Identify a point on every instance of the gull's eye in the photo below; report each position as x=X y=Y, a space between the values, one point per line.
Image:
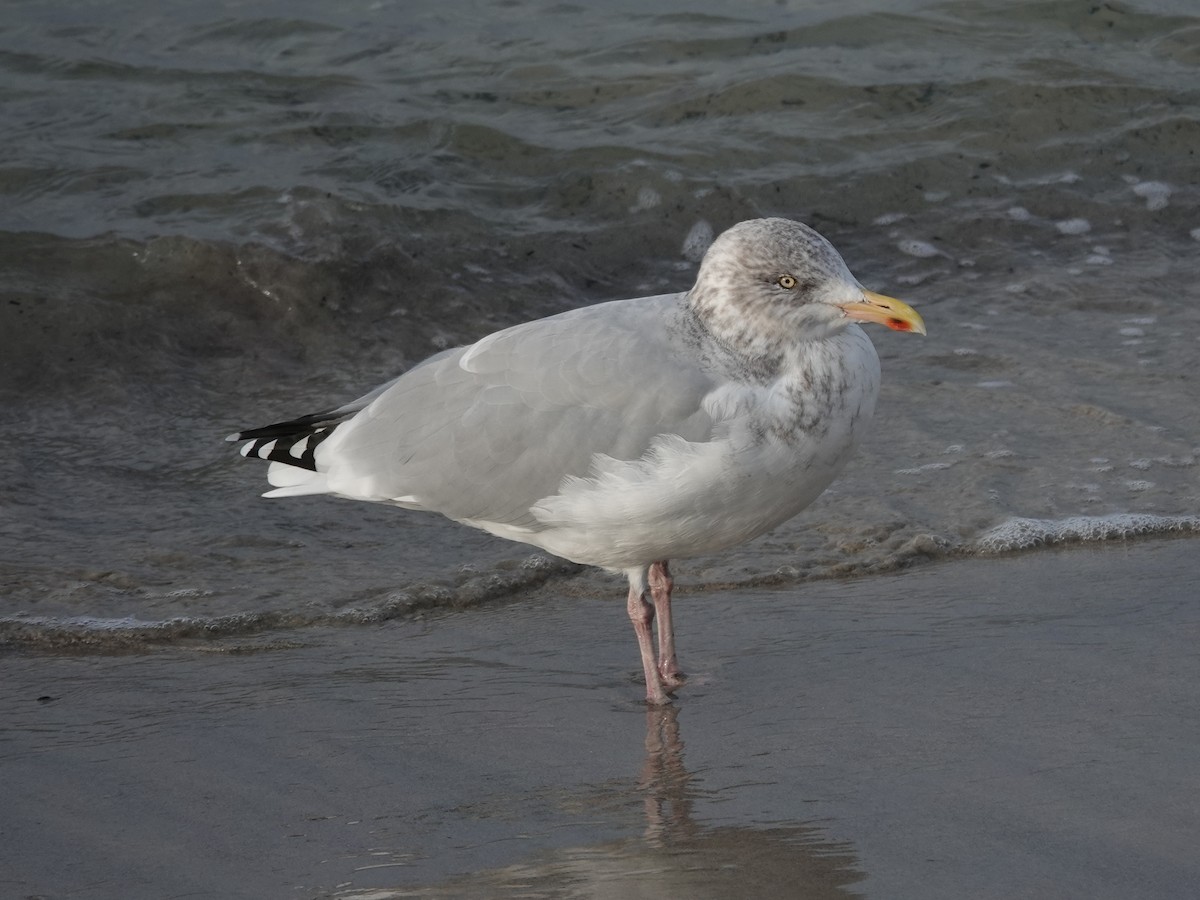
x=786 y=281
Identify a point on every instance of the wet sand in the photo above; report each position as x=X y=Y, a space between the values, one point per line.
x=1020 y=727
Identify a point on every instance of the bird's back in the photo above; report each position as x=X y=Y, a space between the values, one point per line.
x=481 y=433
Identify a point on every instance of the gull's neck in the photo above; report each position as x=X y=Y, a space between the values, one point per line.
x=751 y=340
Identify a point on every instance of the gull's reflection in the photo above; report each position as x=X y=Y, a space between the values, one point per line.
x=664 y=780
x=676 y=857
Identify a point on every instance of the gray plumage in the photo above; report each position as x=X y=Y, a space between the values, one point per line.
x=627 y=433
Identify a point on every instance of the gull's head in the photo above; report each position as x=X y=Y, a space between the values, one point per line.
x=766 y=283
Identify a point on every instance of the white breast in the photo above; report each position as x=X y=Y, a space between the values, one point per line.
x=774 y=449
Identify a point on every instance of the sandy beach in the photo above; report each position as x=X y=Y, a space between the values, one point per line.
x=1018 y=727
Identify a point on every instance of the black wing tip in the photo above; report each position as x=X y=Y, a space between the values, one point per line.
x=292 y=428
x=278 y=442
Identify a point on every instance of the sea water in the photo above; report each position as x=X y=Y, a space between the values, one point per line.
x=216 y=216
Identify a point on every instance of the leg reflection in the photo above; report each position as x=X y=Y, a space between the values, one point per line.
x=665 y=780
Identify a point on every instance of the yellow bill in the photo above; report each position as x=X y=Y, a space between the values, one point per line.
x=895 y=314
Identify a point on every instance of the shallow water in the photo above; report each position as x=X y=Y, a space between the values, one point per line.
x=215 y=218
x=985 y=728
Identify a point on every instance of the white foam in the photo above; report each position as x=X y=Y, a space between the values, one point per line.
x=1156 y=194
x=919 y=249
x=697 y=241
x=920 y=470
x=1176 y=462
x=647 y=198
x=1073 y=226
x=1023 y=534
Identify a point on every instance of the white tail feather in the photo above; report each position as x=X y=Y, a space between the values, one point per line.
x=317 y=486
x=290 y=481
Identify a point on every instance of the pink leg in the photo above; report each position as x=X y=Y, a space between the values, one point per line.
x=641 y=614
x=661 y=584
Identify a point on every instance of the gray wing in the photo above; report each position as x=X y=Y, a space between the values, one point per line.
x=483 y=432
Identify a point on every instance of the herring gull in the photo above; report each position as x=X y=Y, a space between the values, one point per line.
x=626 y=434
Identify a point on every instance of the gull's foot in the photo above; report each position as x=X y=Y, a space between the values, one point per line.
x=659 y=693
x=672 y=677
x=663 y=699
x=662 y=691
